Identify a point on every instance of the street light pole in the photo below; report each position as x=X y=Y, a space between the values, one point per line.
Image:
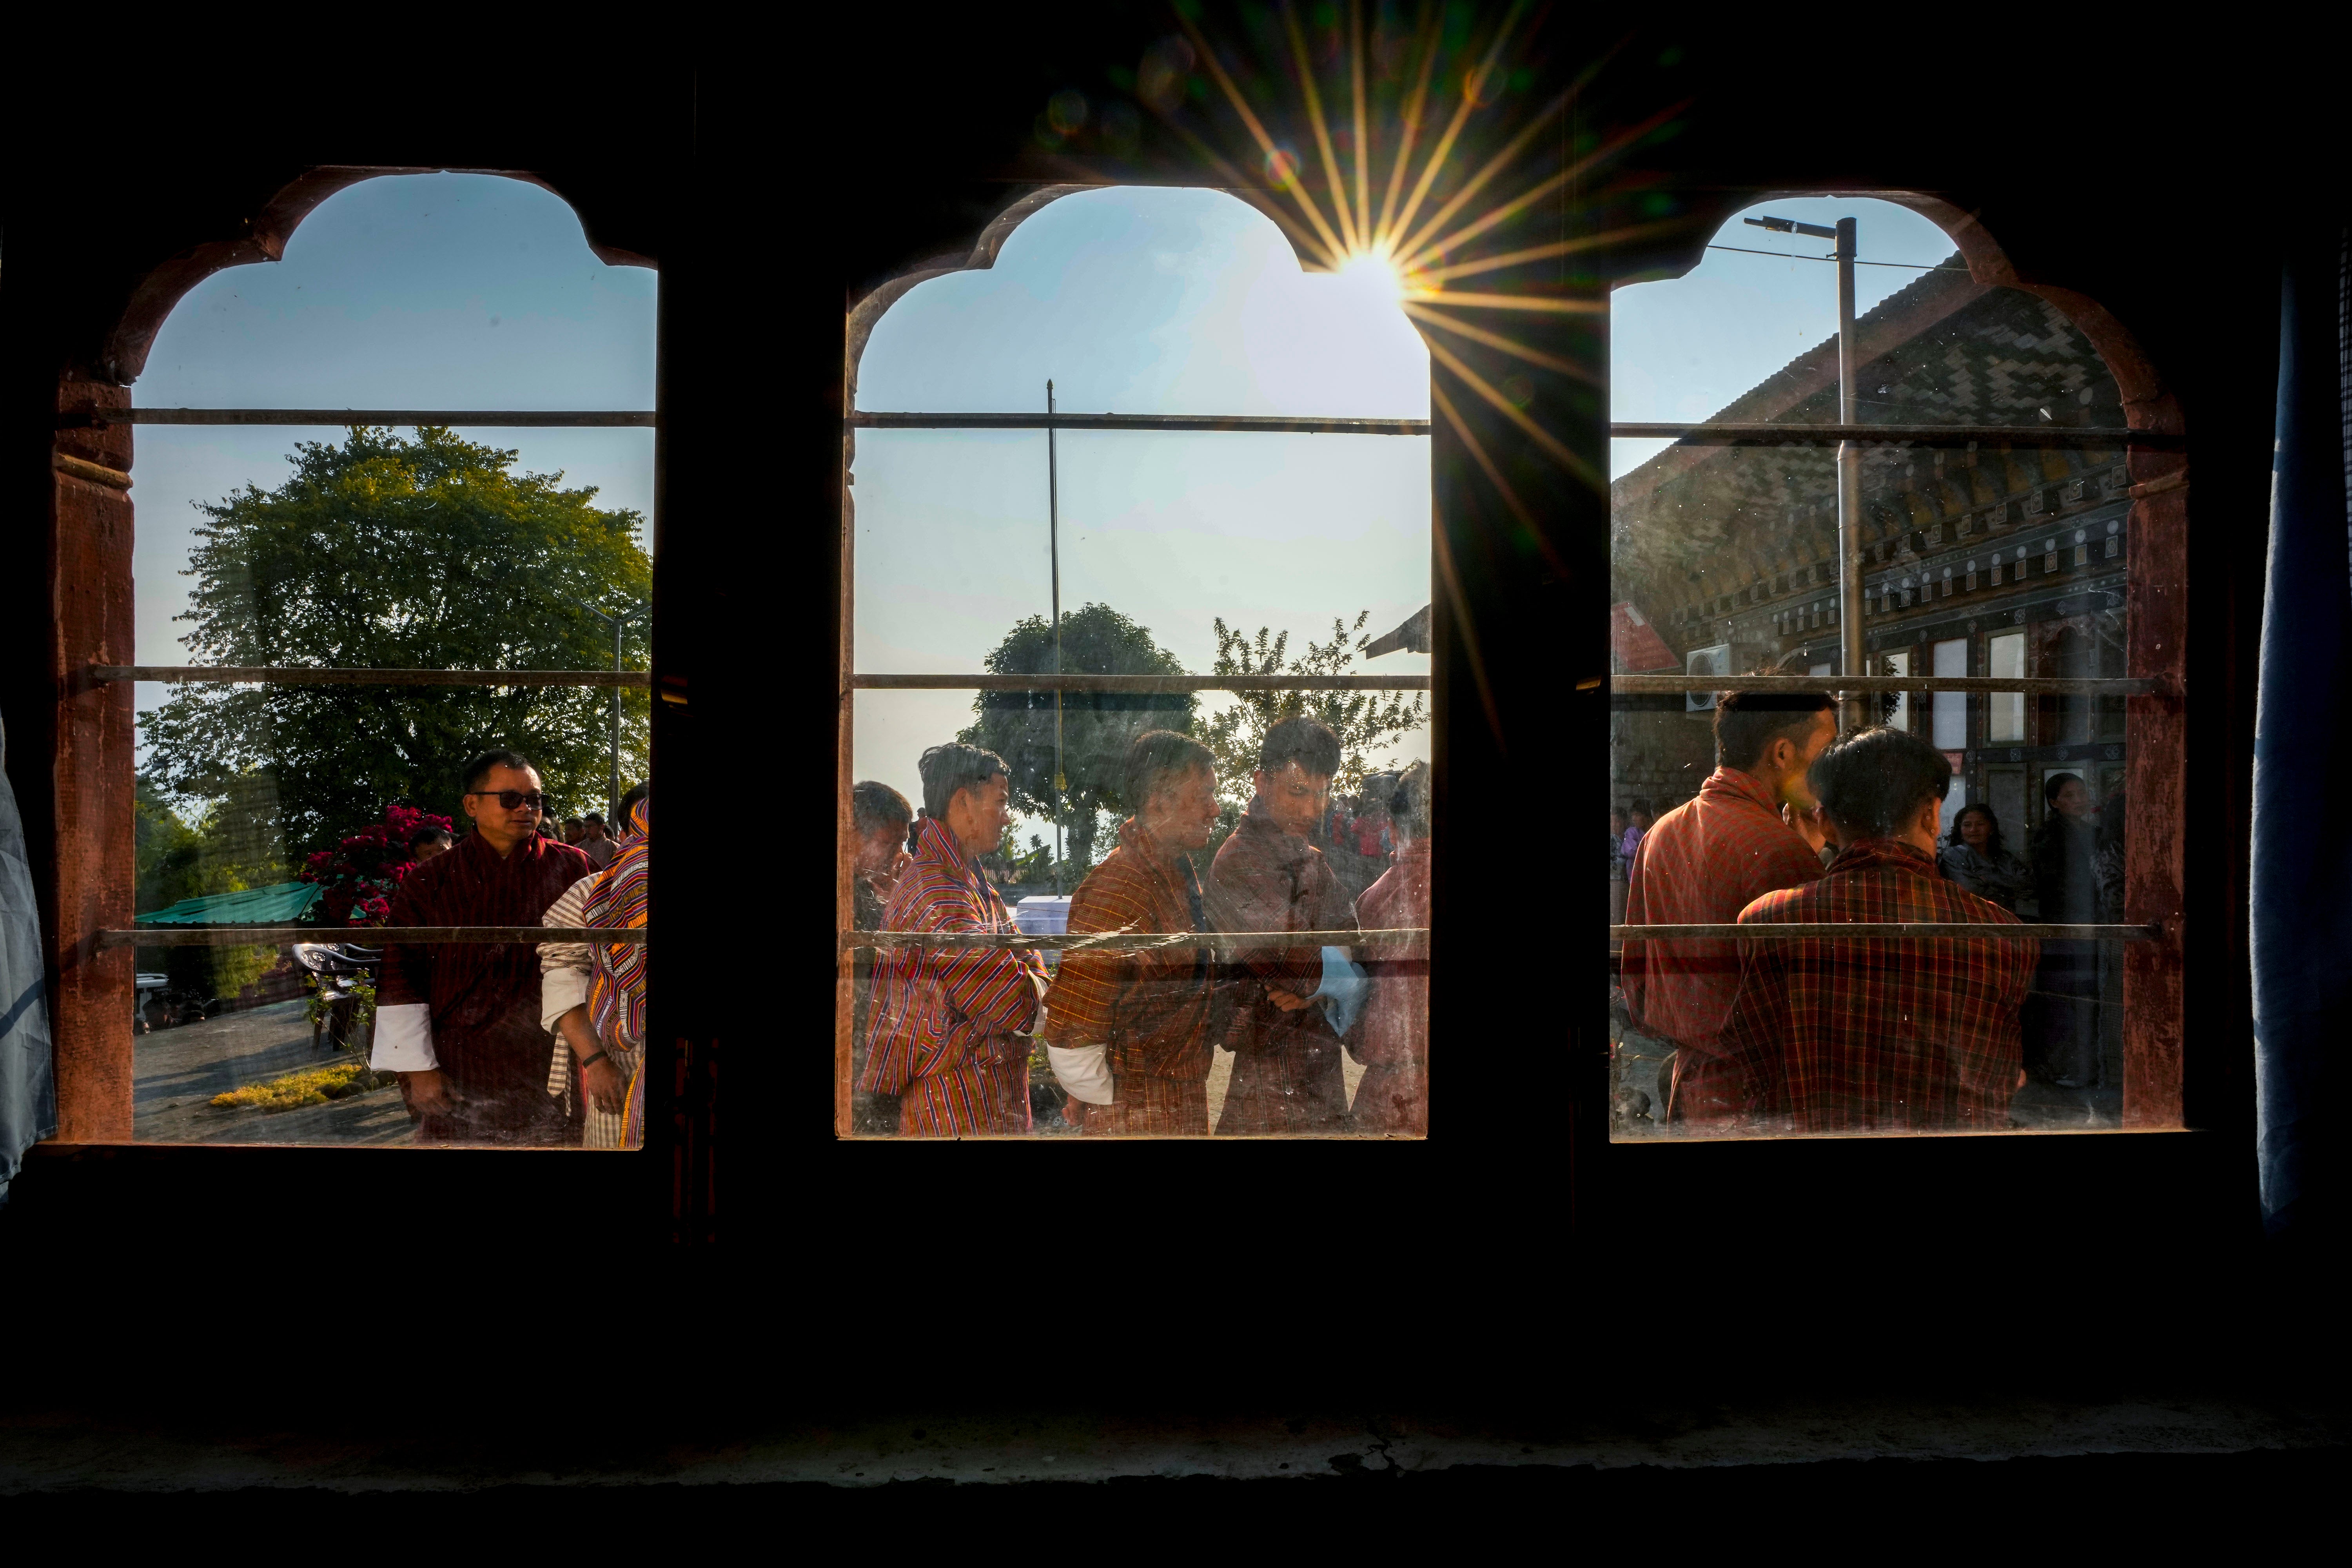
x=619 y=624
x=1054 y=560
x=1852 y=612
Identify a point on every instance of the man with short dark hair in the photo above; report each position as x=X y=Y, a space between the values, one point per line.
x=1267 y=877
x=879 y=818
x=426 y=842
x=573 y=828
x=1750 y=831
x=460 y=1021
x=1130 y=1029
x=950 y=1026
x=1874 y=1034
x=595 y=840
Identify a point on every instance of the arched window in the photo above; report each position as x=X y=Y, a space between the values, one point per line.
x=1967 y=474
x=400 y=482
x=1135 y=450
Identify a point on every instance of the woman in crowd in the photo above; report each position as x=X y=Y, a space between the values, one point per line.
x=2061 y=1025
x=1974 y=857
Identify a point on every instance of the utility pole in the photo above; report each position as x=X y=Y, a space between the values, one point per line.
x=1853 y=659
x=619 y=624
x=1054 y=559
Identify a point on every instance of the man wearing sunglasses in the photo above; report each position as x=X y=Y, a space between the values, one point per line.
x=460 y=1021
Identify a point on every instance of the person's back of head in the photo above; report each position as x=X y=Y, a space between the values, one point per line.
x=1749 y=723
x=1408 y=802
x=1878 y=783
x=874 y=808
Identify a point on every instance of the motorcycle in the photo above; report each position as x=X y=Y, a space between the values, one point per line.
x=160 y=1004
x=343 y=984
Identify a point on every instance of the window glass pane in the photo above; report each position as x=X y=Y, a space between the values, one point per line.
x=312 y=805
x=2004 y=657
x=1951 y=708
x=1170 y=554
x=1727 y=560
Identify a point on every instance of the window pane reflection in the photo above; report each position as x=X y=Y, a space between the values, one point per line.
x=1978 y=560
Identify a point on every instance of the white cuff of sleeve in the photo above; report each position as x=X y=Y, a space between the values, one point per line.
x=404 y=1039
x=559 y=991
x=1083 y=1071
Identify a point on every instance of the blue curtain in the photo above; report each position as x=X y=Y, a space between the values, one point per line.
x=28 y=1089
x=2302 y=872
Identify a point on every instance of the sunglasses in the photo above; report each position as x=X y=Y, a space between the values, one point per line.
x=512 y=798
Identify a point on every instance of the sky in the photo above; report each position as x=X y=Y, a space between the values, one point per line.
x=455 y=290
x=404 y=292
x=1133 y=301
x=1680 y=349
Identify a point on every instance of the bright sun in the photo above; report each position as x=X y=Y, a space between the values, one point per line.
x=1373 y=269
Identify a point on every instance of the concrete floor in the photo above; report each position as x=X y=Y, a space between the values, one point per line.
x=176 y=1072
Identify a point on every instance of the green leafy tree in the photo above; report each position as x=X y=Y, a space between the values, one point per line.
x=231 y=848
x=1098 y=726
x=386 y=553
x=1365 y=721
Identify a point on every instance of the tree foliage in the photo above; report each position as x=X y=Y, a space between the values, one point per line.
x=1365 y=721
x=1098 y=726
x=231 y=848
x=386 y=553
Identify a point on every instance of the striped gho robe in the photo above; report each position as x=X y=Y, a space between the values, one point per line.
x=1148 y=1009
x=1288 y=1075
x=1701 y=864
x=941 y=1027
x=1875 y=1034
x=1393 y=1039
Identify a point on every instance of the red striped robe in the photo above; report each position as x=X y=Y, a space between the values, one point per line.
x=1394 y=1096
x=1287 y=1073
x=1877 y=1035
x=1150 y=1009
x=940 y=1035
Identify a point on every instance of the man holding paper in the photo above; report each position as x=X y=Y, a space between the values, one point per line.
x=1292 y=1004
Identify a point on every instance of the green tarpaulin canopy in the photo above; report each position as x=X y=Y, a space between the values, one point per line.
x=276 y=906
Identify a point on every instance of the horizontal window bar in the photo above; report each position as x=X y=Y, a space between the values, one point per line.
x=364 y=936
x=1256 y=424
x=1740 y=434
x=306 y=675
x=1131 y=940
x=1795 y=931
x=1140 y=682
x=549 y=418
x=2088 y=686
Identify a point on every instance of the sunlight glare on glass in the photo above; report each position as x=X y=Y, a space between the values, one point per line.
x=1374 y=272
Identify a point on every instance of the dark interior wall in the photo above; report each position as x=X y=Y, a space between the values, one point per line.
x=777 y=177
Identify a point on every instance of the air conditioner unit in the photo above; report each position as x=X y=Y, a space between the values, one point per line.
x=1716 y=660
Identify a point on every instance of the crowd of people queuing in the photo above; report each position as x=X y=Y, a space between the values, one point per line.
x=515 y=1043
x=1797 y=825
x=943 y=1035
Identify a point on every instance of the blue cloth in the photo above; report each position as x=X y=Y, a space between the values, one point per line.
x=28 y=1085
x=2302 y=870
x=1345 y=983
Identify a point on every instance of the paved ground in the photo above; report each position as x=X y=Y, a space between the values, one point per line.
x=176 y=1072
